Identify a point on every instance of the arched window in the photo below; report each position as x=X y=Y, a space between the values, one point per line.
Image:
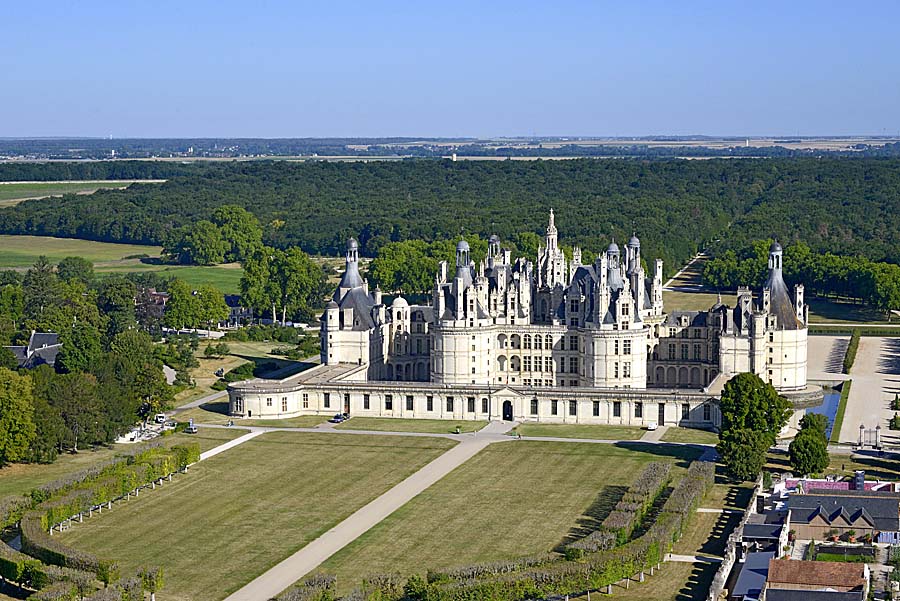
x=537 y=342
x=526 y=341
x=549 y=340
x=515 y=364
x=515 y=341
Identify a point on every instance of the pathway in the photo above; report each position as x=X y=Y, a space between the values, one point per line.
x=694 y=288
x=230 y=444
x=312 y=555
x=876 y=379
x=693 y=558
x=654 y=435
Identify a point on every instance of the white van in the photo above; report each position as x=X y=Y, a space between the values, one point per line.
x=160 y=418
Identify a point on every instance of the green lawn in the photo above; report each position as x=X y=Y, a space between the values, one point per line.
x=226 y=278
x=391 y=424
x=19 y=478
x=597 y=432
x=237 y=514
x=14 y=192
x=513 y=499
x=694 y=301
x=676 y=434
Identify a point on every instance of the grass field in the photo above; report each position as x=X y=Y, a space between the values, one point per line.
x=598 y=432
x=235 y=515
x=19 y=478
x=22 y=251
x=15 y=192
x=674 y=434
x=512 y=499
x=390 y=424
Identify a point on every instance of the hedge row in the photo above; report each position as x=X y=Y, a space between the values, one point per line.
x=850 y=355
x=839 y=330
x=69 y=497
x=314 y=588
x=636 y=501
x=593 y=571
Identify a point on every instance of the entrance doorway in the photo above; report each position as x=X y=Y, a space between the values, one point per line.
x=507 y=411
x=347 y=404
x=661 y=420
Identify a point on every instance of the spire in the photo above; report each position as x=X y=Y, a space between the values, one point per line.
x=551 y=233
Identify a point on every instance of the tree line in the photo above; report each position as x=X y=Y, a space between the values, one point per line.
x=107 y=374
x=876 y=284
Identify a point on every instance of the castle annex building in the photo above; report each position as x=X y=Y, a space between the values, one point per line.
x=554 y=340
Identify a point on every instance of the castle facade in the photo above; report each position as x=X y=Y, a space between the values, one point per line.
x=555 y=340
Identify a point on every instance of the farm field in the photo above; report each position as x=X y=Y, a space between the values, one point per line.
x=20 y=252
x=597 y=432
x=283 y=489
x=505 y=511
x=19 y=478
x=432 y=426
x=12 y=193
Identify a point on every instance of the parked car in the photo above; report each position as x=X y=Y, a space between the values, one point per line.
x=160 y=418
x=652 y=426
x=191 y=430
x=171 y=423
x=338 y=418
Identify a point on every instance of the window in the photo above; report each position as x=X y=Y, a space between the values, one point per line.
x=596 y=411
x=616 y=369
x=485 y=406
x=626 y=347
x=771 y=337
x=284 y=404
x=534 y=406
x=562 y=343
x=389 y=402
x=573 y=365
x=696 y=352
x=707 y=414
x=470 y=404
x=685 y=411
x=537 y=342
x=573 y=382
x=526 y=363
x=269 y=402
x=639 y=409
x=326 y=400
x=671 y=352
x=473 y=369
x=554 y=407
x=366 y=403
x=306 y=401
x=526 y=342
x=239 y=405
x=697 y=333
x=450 y=404
x=409 y=402
x=616 y=347
x=548 y=363
x=573 y=407
x=429 y=403
x=573 y=343
x=626 y=369
x=617 y=408
x=684 y=352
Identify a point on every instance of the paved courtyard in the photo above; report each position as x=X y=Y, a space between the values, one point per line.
x=876 y=379
x=825 y=357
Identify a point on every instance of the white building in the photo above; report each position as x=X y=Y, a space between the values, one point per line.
x=556 y=341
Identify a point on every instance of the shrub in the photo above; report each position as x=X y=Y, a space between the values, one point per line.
x=850 y=356
x=37 y=543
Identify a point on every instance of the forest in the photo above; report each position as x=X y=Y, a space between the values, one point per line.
x=848 y=207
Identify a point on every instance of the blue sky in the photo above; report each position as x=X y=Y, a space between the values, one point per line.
x=293 y=69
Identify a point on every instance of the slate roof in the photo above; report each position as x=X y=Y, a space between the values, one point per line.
x=881 y=510
x=752 y=579
x=781 y=305
x=762 y=531
x=696 y=319
x=362 y=305
x=43 y=347
x=816 y=574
